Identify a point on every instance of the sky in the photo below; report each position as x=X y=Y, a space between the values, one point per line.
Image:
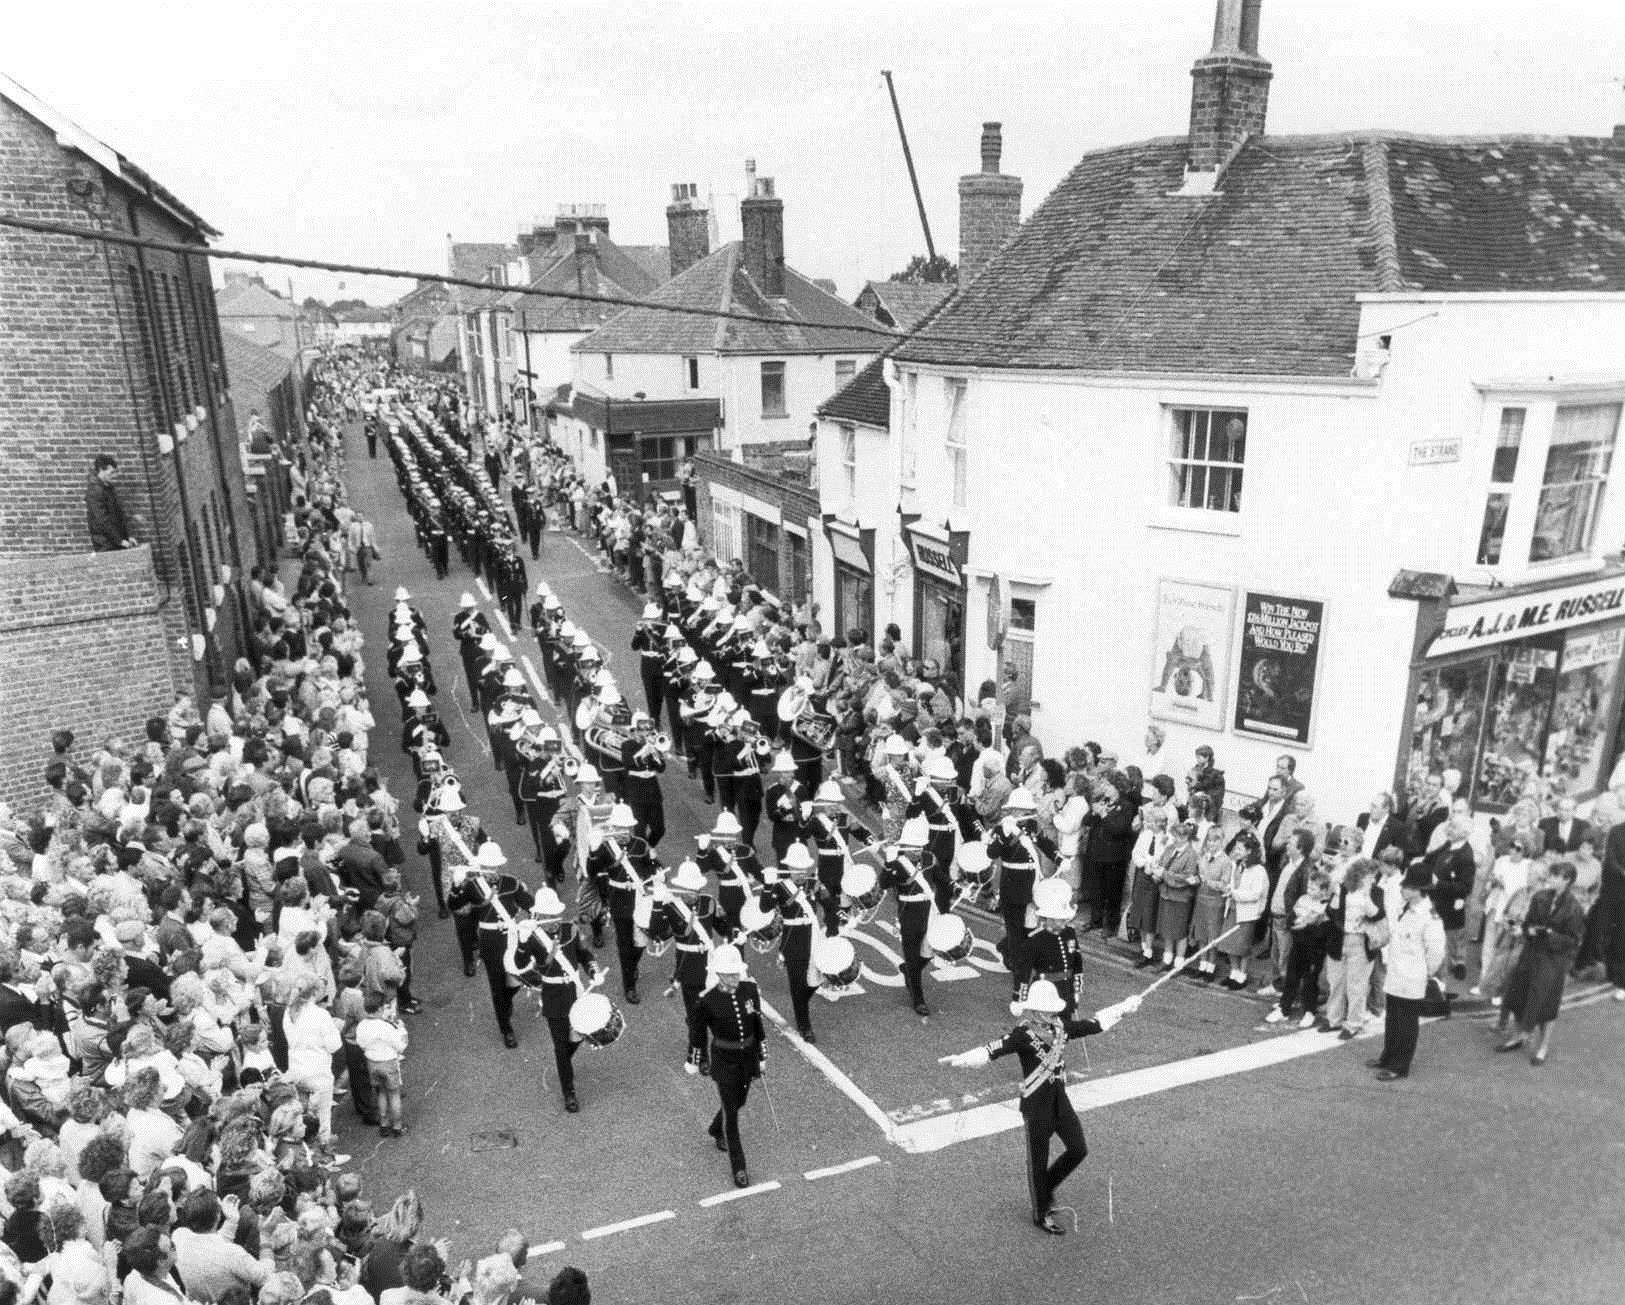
x=367 y=132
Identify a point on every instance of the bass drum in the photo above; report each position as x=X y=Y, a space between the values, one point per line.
x=762 y=928
x=596 y=1021
x=861 y=886
x=948 y=938
x=836 y=961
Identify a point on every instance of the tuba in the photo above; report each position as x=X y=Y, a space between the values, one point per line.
x=813 y=727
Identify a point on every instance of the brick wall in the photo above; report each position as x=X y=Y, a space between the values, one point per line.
x=796 y=501
x=1229 y=98
x=111 y=350
x=86 y=646
x=989 y=213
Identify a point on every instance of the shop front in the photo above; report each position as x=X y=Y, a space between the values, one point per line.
x=938 y=558
x=853 y=550
x=1520 y=694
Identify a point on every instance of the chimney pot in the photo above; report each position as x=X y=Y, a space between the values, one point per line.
x=992 y=147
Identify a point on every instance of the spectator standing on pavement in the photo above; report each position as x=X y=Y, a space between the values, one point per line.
x=1552 y=931
x=104 y=513
x=1453 y=867
x=1414 y=953
x=382 y=1039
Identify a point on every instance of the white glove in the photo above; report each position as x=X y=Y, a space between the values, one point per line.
x=971 y=1059
x=1016 y=1009
x=1108 y=1018
x=689 y=1067
x=1008 y=826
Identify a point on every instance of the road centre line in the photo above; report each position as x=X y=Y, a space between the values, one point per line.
x=479 y=584
x=813 y=1175
x=535 y=679
x=626 y=1225
x=739 y=1193
x=546 y=1248
x=827 y=1067
x=507 y=630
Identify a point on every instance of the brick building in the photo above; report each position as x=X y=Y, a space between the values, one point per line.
x=108 y=349
x=763 y=511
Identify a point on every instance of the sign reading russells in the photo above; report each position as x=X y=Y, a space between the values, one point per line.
x=1477 y=625
x=1275 y=669
x=934 y=558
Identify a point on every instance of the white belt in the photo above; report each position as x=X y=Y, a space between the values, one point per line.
x=547 y=979
x=692 y=947
x=922 y=898
x=641 y=774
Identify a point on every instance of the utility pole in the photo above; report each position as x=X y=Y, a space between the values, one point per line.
x=908 y=158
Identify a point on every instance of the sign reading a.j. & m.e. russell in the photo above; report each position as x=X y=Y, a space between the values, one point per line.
x=1476 y=625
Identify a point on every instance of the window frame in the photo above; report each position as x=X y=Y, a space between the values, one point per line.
x=783 y=374
x=847 y=436
x=1541 y=406
x=691 y=372
x=846 y=371
x=956 y=393
x=1176 y=456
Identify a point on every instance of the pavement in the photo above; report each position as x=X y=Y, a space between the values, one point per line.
x=1229 y=1161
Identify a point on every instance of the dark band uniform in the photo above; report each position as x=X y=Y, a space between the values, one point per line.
x=494 y=903
x=551 y=968
x=733 y=1022
x=912 y=882
x=1046 y=1110
x=795 y=946
x=643 y=763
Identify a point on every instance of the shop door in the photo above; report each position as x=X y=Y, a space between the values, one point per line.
x=1017 y=652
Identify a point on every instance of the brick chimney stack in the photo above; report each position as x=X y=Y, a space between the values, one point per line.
x=1229 y=95
x=761 y=219
x=688 y=227
x=586 y=256
x=989 y=207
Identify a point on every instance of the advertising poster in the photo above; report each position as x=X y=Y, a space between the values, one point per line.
x=1190 y=653
x=1276 y=665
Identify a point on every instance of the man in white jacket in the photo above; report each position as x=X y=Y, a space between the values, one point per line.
x=1415 y=950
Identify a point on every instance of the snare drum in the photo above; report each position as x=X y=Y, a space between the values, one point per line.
x=762 y=928
x=975 y=867
x=596 y=1021
x=836 y=960
x=861 y=887
x=948 y=938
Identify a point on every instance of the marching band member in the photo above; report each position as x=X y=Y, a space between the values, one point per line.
x=601 y=746
x=469 y=627
x=691 y=940
x=677 y=658
x=808 y=757
x=722 y=737
x=782 y=891
x=730 y=1014
x=643 y=761
x=1015 y=845
x=742 y=759
x=735 y=867
x=446 y=823
x=613 y=864
x=545 y=949
x=763 y=687
x=494 y=899
x=695 y=710
x=783 y=801
x=587 y=665
x=499 y=723
x=1039 y=1043
x=590 y=818
x=949 y=820
x=541 y=788
x=826 y=826
x=410 y=672
x=1053 y=953
x=421 y=728
x=904 y=871
x=648 y=643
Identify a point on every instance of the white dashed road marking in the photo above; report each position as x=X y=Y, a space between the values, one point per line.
x=738 y=1194
x=626 y=1225
x=480 y=585
x=813 y=1175
x=546 y=1248
x=536 y=681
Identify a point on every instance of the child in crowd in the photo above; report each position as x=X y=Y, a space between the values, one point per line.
x=382 y=1039
x=1310 y=928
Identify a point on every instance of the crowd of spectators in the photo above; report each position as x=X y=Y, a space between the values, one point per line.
x=195 y=967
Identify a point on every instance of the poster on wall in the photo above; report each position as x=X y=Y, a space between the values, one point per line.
x=1190 y=653
x=1276 y=665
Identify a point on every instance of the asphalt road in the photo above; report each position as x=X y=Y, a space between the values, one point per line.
x=1479 y=1180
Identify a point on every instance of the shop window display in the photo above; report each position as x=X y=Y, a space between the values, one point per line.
x=1581 y=711
x=1447 y=721
x=1520 y=704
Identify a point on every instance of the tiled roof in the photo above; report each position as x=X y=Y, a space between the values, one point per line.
x=719 y=281
x=251 y=368
x=865 y=398
x=655 y=260
x=473 y=262
x=246 y=299
x=618 y=275
x=1116 y=272
x=906 y=302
